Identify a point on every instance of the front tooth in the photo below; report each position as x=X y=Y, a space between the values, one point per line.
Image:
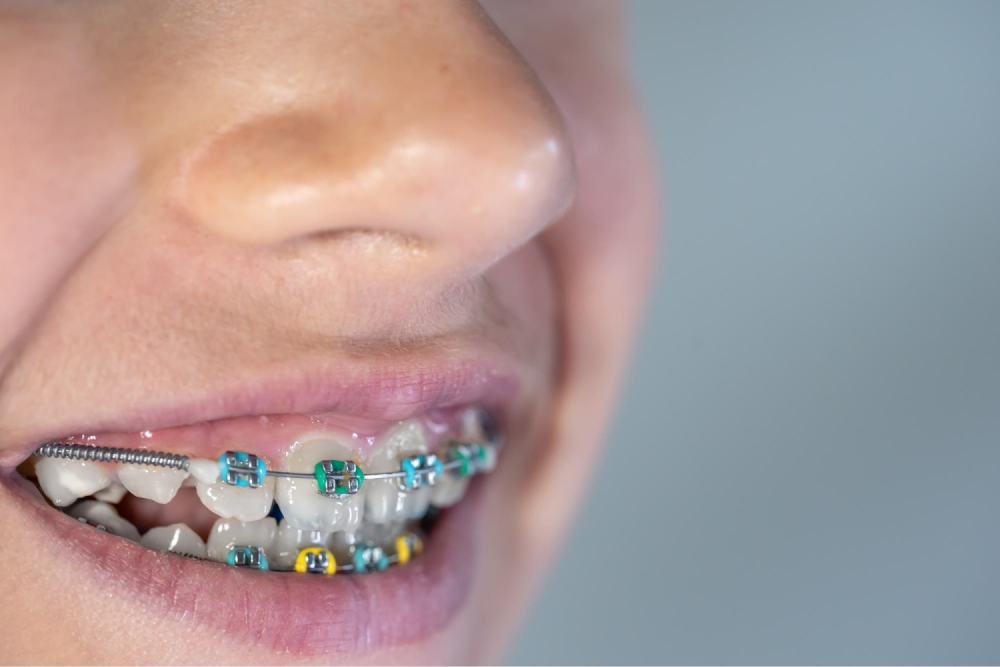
x=291 y=540
x=106 y=515
x=228 y=533
x=65 y=480
x=157 y=484
x=175 y=538
x=238 y=502
x=112 y=494
x=300 y=501
x=385 y=501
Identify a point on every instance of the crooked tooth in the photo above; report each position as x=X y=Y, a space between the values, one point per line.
x=175 y=538
x=237 y=502
x=157 y=484
x=300 y=501
x=228 y=533
x=204 y=471
x=112 y=494
x=64 y=481
x=106 y=515
x=385 y=501
x=291 y=540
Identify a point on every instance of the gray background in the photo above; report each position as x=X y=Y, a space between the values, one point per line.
x=812 y=423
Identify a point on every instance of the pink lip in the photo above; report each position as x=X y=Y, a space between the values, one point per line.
x=281 y=612
x=366 y=395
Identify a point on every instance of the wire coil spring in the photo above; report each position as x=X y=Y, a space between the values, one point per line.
x=113 y=455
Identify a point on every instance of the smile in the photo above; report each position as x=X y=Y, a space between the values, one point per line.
x=298 y=539
x=333 y=518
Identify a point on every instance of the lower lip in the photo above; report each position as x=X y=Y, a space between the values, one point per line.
x=283 y=613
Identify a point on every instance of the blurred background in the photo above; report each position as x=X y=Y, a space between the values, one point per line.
x=812 y=421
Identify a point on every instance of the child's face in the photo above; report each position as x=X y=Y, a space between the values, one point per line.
x=283 y=227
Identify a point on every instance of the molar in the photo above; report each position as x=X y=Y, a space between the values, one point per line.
x=227 y=533
x=291 y=540
x=156 y=484
x=301 y=503
x=106 y=515
x=237 y=502
x=385 y=502
x=176 y=538
x=65 y=481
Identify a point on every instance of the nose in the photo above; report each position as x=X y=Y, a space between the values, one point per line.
x=417 y=121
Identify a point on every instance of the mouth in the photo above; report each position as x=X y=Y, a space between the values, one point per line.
x=301 y=533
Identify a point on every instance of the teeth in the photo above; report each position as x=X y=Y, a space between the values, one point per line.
x=64 y=480
x=449 y=489
x=228 y=533
x=385 y=501
x=106 y=515
x=204 y=471
x=238 y=502
x=112 y=494
x=176 y=538
x=291 y=540
x=300 y=501
x=156 y=484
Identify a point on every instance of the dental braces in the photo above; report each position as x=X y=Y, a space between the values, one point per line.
x=334 y=478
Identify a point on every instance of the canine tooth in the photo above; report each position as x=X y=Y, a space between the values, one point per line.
x=157 y=484
x=204 y=471
x=106 y=515
x=112 y=494
x=300 y=501
x=291 y=540
x=175 y=538
x=228 y=533
x=237 y=502
x=385 y=501
x=64 y=480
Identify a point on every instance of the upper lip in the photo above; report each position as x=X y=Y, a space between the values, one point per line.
x=389 y=391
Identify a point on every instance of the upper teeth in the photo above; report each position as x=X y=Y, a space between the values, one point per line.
x=300 y=501
x=64 y=481
x=238 y=502
x=158 y=484
x=385 y=501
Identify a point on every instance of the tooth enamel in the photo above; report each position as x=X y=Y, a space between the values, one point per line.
x=64 y=480
x=300 y=501
x=385 y=501
x=176 y=538
x=203 y=470
x=448 y=490
x=157 y=484
x=105 y=515
x=227 y=533
x=290 y=540
x=238 y=502
x=112 y=494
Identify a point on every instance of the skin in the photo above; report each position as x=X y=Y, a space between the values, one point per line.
x=334 y=180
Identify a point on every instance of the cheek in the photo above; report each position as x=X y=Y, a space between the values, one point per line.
x=64 y=168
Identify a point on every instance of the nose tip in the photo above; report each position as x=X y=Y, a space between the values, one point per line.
x=472 y=164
